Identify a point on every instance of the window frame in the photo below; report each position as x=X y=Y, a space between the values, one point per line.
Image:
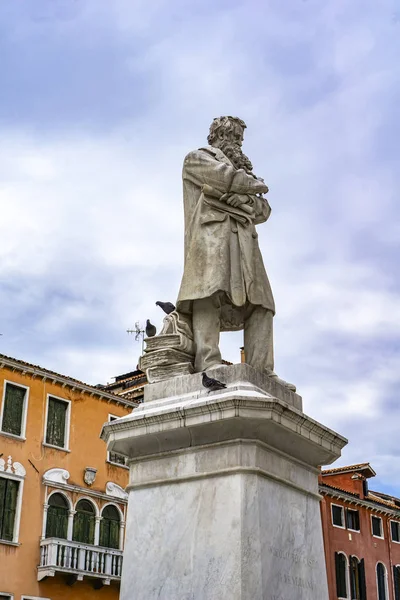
x=66 y=447
x=121 y=524
x=22 y=436
x=343 y=516
x=359 y=523
x=10 y=596
x=18 y=507
x=395 y=596
x=391 y=532
x=34 y=598
x=111 y=462
x=379 y=537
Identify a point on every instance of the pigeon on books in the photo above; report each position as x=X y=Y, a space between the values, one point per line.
x=151 y=329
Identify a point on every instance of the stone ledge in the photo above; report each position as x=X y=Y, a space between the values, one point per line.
x=232 y=374
x=233 y=413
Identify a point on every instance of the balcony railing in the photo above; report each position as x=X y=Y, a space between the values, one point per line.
x=79 y=560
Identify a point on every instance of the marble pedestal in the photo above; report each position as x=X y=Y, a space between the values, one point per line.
x=223 y=493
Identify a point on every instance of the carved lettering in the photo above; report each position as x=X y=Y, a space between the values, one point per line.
x=295 y=557
x=295 y=581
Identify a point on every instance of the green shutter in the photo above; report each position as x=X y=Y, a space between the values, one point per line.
x=109 y=528
x=57 y=517
x=340 y=564
x=8 y=506
x=363 y=586
x=396 y=578
x=13 y=409
x=56 y=417
x=84 y=523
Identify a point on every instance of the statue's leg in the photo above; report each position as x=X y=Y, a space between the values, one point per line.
x=258 y=338
x=206 y=329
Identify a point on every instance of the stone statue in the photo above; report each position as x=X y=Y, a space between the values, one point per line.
x=224 y=285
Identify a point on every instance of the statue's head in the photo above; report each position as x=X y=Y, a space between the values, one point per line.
x=226 y=130
x=226 y=133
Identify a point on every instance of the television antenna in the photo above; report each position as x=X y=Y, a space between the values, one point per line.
x=138 y=332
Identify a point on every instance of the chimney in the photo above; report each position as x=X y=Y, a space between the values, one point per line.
x=242 y=358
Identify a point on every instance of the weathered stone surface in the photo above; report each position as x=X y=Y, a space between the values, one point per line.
x=164 y=356
x=229 y=374
x=223 y=495
x=161 y=373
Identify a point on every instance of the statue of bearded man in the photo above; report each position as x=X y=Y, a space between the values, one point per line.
x=224 y=285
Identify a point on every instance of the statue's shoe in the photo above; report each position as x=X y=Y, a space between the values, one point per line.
x=275 y=377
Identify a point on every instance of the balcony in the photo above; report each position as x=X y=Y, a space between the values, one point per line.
x=78 y=560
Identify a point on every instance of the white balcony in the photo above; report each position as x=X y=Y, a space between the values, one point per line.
x=78 y=560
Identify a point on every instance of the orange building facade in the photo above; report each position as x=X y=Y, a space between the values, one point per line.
x=62 y=498
x=361 y=531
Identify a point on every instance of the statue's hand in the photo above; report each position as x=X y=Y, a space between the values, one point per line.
x=235 y=199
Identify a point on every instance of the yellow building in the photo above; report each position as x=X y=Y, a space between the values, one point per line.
x=62 y=498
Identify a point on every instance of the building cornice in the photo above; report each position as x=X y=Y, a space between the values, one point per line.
x=353 y=499
x=66 y=382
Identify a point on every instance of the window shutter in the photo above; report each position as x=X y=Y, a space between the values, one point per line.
x=56 y=417
x=340 y=567
x=114 y=534
x=9 y=509
x=57 y=521
x=3 y=483
x=13 y=409
x=396 y=579
x=363 y=587
x=84 y=523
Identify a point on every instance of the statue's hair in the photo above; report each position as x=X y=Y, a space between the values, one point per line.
x=225 y=123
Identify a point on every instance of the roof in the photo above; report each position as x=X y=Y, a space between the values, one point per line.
x=37 y=371
x=373 y=497
x=362 y=467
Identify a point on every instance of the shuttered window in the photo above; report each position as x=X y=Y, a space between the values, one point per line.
x=353 y=519
x=357 y=579
x=394 y=526
x=57 y=517
x=56 y=422
x=381 y=581
x=337 y=515
x=109 y=527
x=396 y=579
x=84 y=522
x=340 y=565
x=376 y=526
x=13 y=410
x=8 y=507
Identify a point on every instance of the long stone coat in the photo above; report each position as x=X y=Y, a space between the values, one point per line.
x=221 y=253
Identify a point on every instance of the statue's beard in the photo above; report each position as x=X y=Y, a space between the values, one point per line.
x=236 y=156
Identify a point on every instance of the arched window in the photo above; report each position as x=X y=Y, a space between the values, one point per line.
x=109 y=527
x=357 y=579
x=84 y=522
x=396 y=579
x=381 y=581
x=341 y=575
x=57 y=517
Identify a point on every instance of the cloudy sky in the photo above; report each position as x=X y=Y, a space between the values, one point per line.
x=100 y=101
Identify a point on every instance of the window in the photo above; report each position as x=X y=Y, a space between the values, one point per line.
x=13 y=418
x=57 y=425
x=357 y=579
x=381 y=581
x=84 y=522
x=57 y=517
x=376 y=523
x=6 y=596
x=353 y=520
x=8 y=507
x=341 y=579
x=109 y=527
x=395 y=529
x=337 y=515
x=114 y=457
x=396 y=579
